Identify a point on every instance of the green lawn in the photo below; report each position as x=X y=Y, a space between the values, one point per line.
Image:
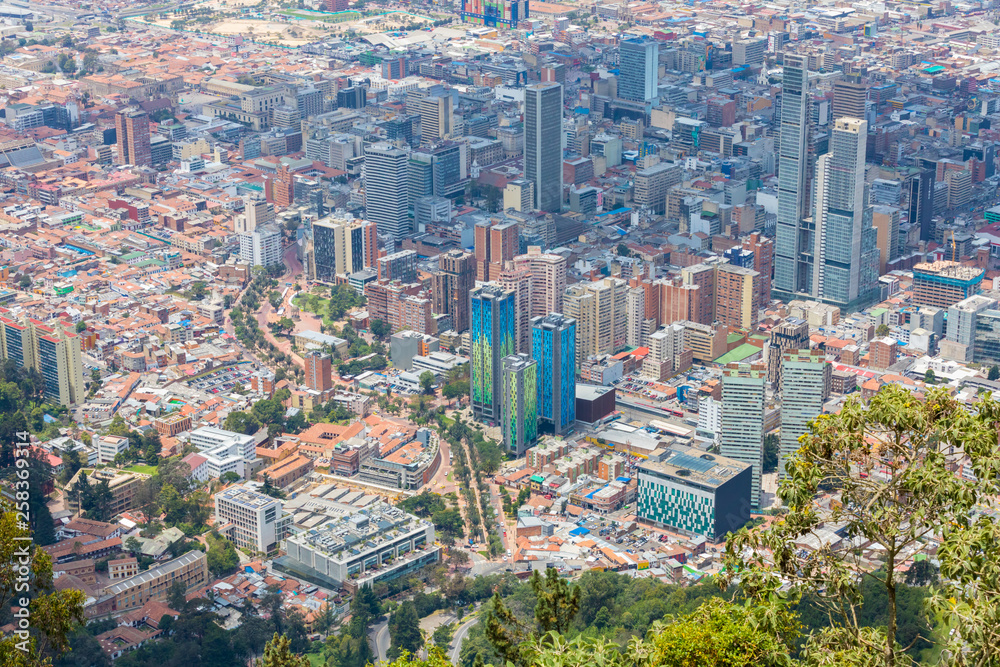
x=145 y=470
x=448 y=421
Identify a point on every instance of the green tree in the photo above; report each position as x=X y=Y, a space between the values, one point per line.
x=882 y=330
x=930 y=377
x=229 y=478
x=771 y=442
x=222 y=556
x=404 y=631
x=427 y=382
x=994 y=373
x=456 y=389
x=241 y=422
x=177 y=595
x=278 y=653
x=893 y=508
x=379 y=328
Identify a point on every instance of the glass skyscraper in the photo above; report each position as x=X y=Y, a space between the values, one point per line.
x=519 y=403
x=543 y=106
x=805 y=386
x=553 y=346
x=638 y=66
x=742 y=436
x=492 y=311
x=793 y=251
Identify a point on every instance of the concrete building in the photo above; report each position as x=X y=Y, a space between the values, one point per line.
x=132 y=126
x=943 y=284
x=737 y=291
x=342 y=246
x=318 y=371
x=638 y=63
x=252 y=520
x=600 y=309
x=548 y=280
x=452 y=283
x=404 y=346
x=191 y=569
x=54 y=352
x=386 y=190
x=224 y=451
x=262 y=246
x=543 y=106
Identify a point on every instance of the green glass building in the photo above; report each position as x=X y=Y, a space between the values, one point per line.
x=492 y=312
x=519 y=403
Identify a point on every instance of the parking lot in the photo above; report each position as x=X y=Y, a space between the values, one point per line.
x=223 y=380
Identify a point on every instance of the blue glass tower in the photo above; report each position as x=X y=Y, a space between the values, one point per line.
x=553 y=346
x=492 y=311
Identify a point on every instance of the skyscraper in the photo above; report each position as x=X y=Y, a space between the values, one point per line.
x=342 y=246
x=132 y=127
x=921 y=202
x=386 y=195
x=793 y=258
x=435 y=118
x=548 y=280
x=494 y=246
x=517 y=279
x=638 y=64
x=805 y=386
x=743 y=419
x=519 y=403
x=789 y=334
x=543 y=104
x=845 y=246
x=503 y=14
x=553 y=346
x=454 y=279
x=492 y=339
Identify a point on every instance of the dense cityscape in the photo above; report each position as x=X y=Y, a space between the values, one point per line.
x=498 y=332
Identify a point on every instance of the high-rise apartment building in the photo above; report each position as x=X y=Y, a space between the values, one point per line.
x=601 y=312
x=451 y=285
x=638 y=64
x=519 y=402
x=743 y=403
x=737 y=296
x=553 y=346
x=319 y=371
x=845 y=243
x=279 y=188
x=386 y=190
x=518 y=280
x=548 y=280
x=401 y=265
x=543 y=106
x=762 y=248
x=494 y=246
x=132 y=128
x=341 y=247
x=53 y=352
x=793 y=254
x=492 y=339
x=503 y=14
x=262 y=246
x=805 y=386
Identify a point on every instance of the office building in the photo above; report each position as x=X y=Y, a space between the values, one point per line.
x=548 y=280
x=492 y=339
x=600 y=309
x=805 y=386
x=279 y=188
x=845 y=243
x=789 y=334
x=850 y=95
x=262 y=246
x=353 y=548
x=224 y=451
x=54 y=352
x=543 y=105
x=962 y=325
x=553 y=346
x=694 y=493
x=451 y=285
x=743 y=419
x=250 y=519
x=638 y=64
x=190 y=569
x=793 y=261
x=503 y=14
x=885 y=219
x=749 y=51
x=653 y=183
x=519 y=195
x=942 y=284
x=435 y=118
x=318 y=371
x=404 y=346
x=132 y=126
x=401 y=266
x=519 y=403
x=386 y=191
x=921 y=202
x=342 y=246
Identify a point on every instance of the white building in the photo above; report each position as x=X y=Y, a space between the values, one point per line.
x=262 y=246
x=258 y=521
x=224 y=451
x=109 y=446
